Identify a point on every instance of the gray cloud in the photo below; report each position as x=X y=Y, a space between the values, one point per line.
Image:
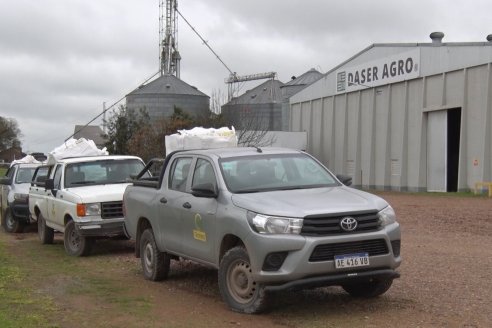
x=61 y=59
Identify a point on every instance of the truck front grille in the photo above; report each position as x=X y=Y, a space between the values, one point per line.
x=327 y=252
x=329 y=224
x=112 y=210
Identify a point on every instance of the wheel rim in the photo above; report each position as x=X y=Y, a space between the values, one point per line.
x=148 y=257
x=9 y=221
x=240 y=281
x=74 y=240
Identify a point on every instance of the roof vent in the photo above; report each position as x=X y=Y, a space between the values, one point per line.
x=489 y=37
x=436 y=37
x=168 y=85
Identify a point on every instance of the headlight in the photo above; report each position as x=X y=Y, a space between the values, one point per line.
x=88 y=209
x=274 y=224
x=21 y=198
x=387 y=216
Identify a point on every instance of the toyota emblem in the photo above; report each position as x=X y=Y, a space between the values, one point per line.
x=348 y=223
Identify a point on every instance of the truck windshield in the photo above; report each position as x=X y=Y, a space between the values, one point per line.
x=101 y=172
x=265 y=172
x=24 y=174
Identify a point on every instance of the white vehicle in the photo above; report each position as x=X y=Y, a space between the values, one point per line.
x=14 y=188
x=82 y=198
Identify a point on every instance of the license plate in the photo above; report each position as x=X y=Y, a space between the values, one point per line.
x=351 y=260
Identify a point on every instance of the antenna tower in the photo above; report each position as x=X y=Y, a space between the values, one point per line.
x=169 y=57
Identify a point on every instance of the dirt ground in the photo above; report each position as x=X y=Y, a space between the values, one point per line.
x=445 y=280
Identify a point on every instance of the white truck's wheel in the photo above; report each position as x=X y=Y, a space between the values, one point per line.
x=45 y=233
x=75 y=244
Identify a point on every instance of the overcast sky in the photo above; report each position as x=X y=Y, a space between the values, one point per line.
x=61 y=59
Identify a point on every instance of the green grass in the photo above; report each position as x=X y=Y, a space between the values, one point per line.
x=20 y=306
x=2 y=171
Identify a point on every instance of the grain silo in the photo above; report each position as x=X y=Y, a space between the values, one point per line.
x=257 y=109
x=161 y=96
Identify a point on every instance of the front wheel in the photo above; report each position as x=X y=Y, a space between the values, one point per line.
x=236 y=284
x=75 y=244
x=155 y=264
x=11 y=224
x=45 y=233
x=368 y=289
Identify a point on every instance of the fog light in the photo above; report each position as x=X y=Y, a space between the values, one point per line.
x=274 y=261
x=395 y=244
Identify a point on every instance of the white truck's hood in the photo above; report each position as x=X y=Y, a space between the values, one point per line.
x=303 y=202
x=98 y=193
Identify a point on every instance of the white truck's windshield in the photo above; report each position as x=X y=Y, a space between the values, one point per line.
x=101 y=172
x=274 y=172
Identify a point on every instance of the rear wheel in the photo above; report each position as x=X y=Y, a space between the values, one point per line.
x=75 y=244
x=155 y=264
x=45 y=233
x=368 y=289
x=236 y=283
x=11 y=224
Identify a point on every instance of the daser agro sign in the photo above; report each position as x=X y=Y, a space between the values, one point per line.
x=397 y=68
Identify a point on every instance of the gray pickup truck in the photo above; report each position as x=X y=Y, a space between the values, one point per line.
x=14 y=196
x=268 y=219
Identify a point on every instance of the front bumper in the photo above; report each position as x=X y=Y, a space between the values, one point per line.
x=100 y=229
x=336 y=279
x=299 y=268
x=20 y=212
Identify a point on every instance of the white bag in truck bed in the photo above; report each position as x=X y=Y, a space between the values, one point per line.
x=201 y=138
x=75 y=148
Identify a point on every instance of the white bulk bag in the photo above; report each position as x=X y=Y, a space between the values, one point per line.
x=201 y=138
x=75 y=148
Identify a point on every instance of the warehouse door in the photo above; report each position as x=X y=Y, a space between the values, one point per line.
x=443 y=145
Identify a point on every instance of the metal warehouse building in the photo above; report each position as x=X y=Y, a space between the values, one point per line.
x=409 y=117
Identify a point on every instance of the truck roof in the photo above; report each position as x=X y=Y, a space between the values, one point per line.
x=27 y=164
x=241 y=151
x=95 y=158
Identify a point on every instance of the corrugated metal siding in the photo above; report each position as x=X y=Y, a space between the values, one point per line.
x=379 y=135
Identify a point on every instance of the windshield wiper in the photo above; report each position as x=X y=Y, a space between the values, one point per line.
x=82 y=182
x=247 y=191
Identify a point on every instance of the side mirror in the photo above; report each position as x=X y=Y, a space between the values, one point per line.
x=5 y=181
x=49 y=184
x=206 y=190
x=345 y=179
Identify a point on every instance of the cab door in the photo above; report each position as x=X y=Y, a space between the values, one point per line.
x=169 y=205
x=198 y=215
x=55 y=199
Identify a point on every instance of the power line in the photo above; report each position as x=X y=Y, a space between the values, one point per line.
x=205 y=42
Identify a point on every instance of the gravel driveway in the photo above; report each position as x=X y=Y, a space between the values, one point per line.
x=445 y=280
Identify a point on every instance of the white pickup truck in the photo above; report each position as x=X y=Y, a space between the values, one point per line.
x=82 y=198
x=14 y=188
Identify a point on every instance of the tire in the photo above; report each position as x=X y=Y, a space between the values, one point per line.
x=45 y=233
x=155 y=264
x=11 y=224
x=75 y=244
x=237 y=287
x=368 y=289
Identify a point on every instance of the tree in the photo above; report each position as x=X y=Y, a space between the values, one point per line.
x=9 y=134
x=251 y=127
x=121 y=127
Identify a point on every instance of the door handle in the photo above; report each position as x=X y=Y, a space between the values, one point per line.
x=187 y=205
x=163 y=200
